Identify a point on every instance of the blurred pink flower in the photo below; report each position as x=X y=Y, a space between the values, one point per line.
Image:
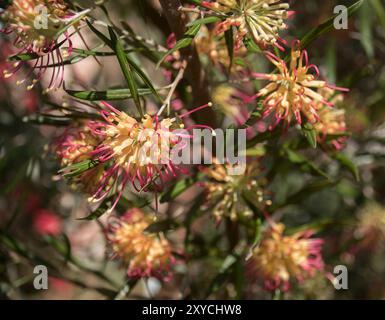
x=46 y=222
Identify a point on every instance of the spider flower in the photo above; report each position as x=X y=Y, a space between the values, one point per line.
x=293 y=91
x=331 y=120
x=144 y=254
x=208 y=43
x=227 y=194
x=138 y=152
x=261 y=19
x=279 y=258
x=233 y=103
x=40 y=28
x=75 y=146
x=370 y=229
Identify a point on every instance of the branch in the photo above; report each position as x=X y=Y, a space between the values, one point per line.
x=194 y=74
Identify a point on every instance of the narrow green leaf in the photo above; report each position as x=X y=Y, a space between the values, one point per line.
x=331 y=61
x=347 y=163
x=161 y=226
x=126 y=69
x=126 y=289
x=99 y=34
x=177 y=189
x=218 y=281
x=306 y=164
x=62 y=245
x=229 y=37
x=365 y=27
x=187 y=39
x=75 y=19
x=203 y=21
x=251 y=46
x=47 y=120
x=112 y=94
x=78 y=168
x=305 y=192
x=310 y=134
x=103 y=208
x=144 y=77
x=326 y=26
x=379 y=9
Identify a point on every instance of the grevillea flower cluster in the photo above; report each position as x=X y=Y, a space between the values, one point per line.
x=370 y=228
x=260 y=19
x=74 y=146
x=38 y=38
x=139 y=152
x=293 y=92
x=279 y=259
x=124 y=151
x=331 y=119
x=140 y=163
x=227 y=194
x=144 y=254
x=208 y=43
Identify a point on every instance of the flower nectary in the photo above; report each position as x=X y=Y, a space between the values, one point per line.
x=144 y=254
x=260 y=19
x=293 y=90
x=279 y=258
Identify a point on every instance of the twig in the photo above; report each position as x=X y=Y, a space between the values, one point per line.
x=173 y=86
x=194 y=74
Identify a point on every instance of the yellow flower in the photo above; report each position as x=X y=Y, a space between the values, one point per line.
x=144 y=254
x=292 y=92
x=261 y=19
x=22 y=15
x=279 y=258
x=76 y=145
x=140 y=151
x=370 y=228
x=215 y=48
x=331 y=119
x=226 y=193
